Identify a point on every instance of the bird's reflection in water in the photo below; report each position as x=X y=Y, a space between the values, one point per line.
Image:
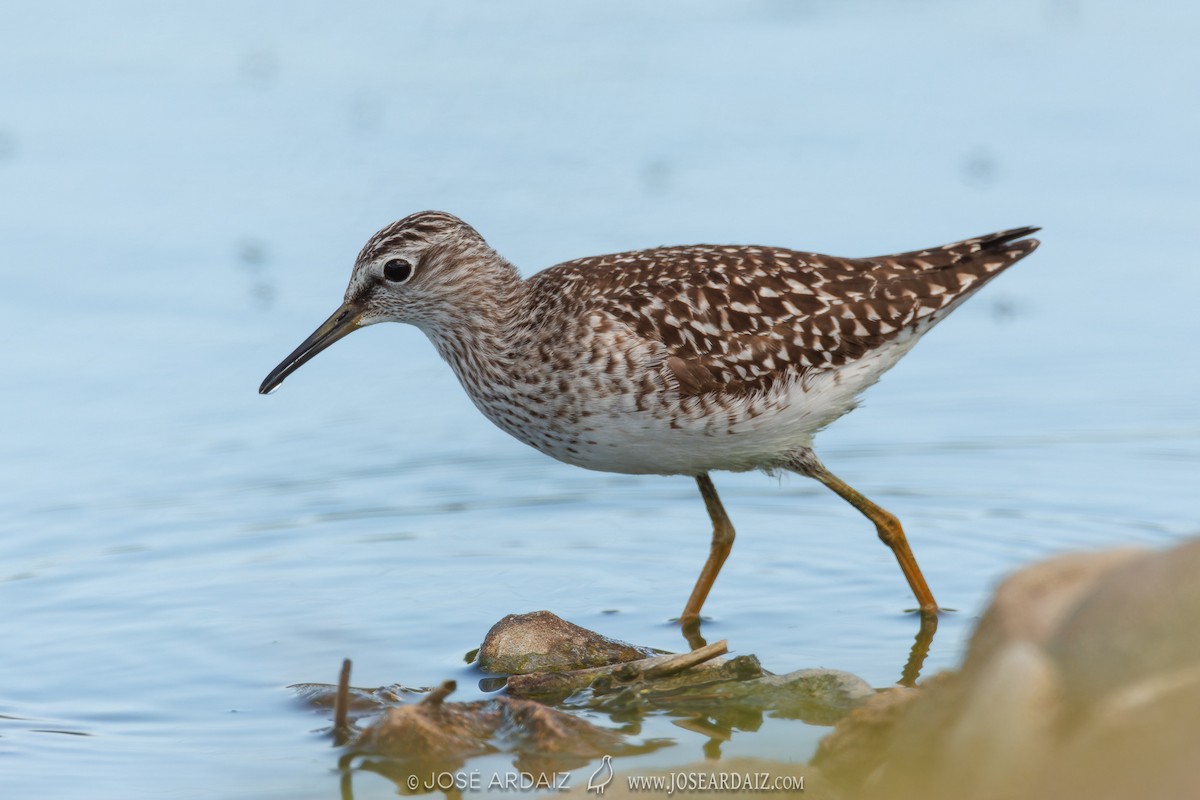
x=719 y=726
x=919 y=651
x=908 y=674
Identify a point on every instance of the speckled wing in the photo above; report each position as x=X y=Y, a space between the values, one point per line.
x=736 y=320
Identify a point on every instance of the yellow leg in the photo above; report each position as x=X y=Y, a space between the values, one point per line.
x=886 y=524
x=722 y=543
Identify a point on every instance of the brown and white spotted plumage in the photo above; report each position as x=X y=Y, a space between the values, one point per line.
x=673 y=360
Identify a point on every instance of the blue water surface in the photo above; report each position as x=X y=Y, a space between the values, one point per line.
x=183 y=188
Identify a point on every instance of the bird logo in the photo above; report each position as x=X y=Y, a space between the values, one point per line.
x=602 y=777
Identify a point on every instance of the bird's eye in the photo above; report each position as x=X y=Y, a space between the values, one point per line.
x=397 y=270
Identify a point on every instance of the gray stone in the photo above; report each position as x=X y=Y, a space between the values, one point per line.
x=817 y=696
x=544 y=642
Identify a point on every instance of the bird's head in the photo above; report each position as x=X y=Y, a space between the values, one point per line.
x=418 y=270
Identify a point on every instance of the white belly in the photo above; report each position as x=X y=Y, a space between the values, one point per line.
x=686 y=435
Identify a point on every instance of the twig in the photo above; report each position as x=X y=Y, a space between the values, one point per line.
x=684 y=661
x=341 y=705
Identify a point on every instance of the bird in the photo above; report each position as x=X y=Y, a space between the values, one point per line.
x=674 y=360
x=599 y=780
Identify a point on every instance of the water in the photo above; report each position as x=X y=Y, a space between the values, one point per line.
x=183 y=190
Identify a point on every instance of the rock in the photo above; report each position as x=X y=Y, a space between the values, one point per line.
x=1141 y=742
x=817 y=696
x=798 y=694
x=537 y=647
x=1029 y=605
x=421 y=745
x=324 y=695
x=1139 y=623
x=1082 y=680
x=661 y=673
x=850 y=753
x=435 y=736
x=543 y=642
x=738 y=688
x=432 y=730
x=1006 y=721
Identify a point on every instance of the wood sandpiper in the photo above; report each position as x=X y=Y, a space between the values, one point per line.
x=673 y=360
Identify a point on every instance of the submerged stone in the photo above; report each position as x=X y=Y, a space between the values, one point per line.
x=817 y=696
x=433 y=736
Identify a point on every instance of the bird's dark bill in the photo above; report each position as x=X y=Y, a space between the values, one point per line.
x=345 y=320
